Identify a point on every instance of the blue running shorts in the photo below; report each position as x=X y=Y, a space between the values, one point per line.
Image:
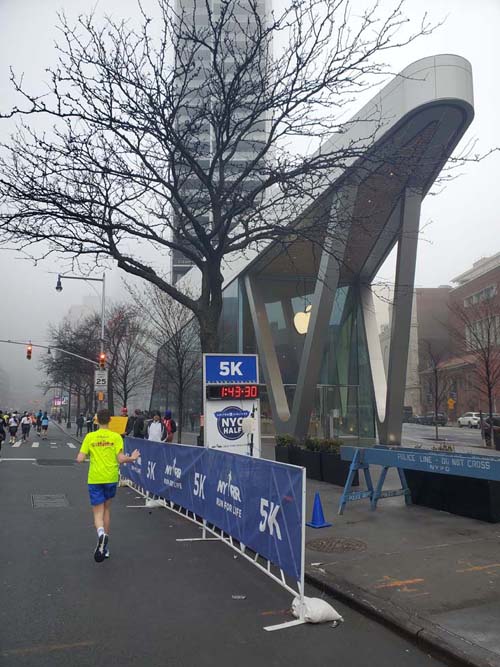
x=99 y=493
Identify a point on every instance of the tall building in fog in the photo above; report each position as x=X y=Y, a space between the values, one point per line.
x=239 y=27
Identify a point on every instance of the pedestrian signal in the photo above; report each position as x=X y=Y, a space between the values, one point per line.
x=29 y=350
x=102 y=360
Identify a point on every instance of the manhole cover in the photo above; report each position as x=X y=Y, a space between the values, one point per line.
x=44 y=500
x=336 y=545
x=55 y=462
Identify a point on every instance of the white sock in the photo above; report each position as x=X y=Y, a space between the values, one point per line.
x=100 y=531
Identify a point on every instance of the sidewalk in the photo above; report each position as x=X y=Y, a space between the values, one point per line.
x=429 y=574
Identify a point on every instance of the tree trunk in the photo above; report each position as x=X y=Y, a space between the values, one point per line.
x=491 y=410
x=68 y=423
x=180 y=416
x=111 y=402
x=211 y=309
x=436 y=394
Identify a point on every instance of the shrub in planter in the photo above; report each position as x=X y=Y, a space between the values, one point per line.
x=333 y=469
x=309 y=456
x=284 y=444
x=465 y=496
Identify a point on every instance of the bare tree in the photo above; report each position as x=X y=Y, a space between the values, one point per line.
x=181 y=136
x=130 y=369
x=173 y=342
x=475 y=329
x=439 y=382
x=63 y=371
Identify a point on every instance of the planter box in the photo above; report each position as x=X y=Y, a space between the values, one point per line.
x=282 y=454
x=465 y=496
x=309 y=460
x=334 y=470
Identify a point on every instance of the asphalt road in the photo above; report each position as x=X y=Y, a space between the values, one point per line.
x=156 y=601
x=417 y=433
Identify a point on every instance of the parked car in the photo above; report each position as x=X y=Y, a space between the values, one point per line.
x=408 y=414
x=470 y=419
x=431 y=418
x=417 y=419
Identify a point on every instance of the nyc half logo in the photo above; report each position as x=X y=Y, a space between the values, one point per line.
x=136 y=465
x=229 y=422
x=231 y=495
x=172 y=475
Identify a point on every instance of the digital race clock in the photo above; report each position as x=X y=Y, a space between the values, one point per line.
x=236 y=391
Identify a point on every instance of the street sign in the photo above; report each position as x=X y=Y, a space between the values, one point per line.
x=101 y=380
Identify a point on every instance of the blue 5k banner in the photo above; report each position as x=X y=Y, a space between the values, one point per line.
x=256 y=501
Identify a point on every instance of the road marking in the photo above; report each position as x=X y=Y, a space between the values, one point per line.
x=479 y=568
x=70 y=444
x=53 y=443
x=17 y=444
x=399 y=584
x=35 y=444
x=45 y=648
x=5 y=460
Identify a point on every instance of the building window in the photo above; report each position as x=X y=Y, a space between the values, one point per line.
x=485 y=332
x=483 y=295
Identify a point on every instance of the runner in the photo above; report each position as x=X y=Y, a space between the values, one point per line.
x=13 y=426
x=25 y=426
x=2 y=431
x=39 y=416
x=45 y=426
x=105 y=449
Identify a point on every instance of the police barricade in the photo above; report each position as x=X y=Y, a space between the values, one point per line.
x=405 y=458
x=255 y=506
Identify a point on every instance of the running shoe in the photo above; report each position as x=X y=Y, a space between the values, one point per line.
x=100 y=550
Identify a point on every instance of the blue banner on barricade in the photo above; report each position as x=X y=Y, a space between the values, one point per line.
x=257 y=502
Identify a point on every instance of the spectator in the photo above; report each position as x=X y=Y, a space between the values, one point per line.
x=89 y=423
x=135 y=425
x=170 y=425
x=79 y=425
x=157 y=430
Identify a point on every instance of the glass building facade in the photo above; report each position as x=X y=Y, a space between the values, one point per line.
x=343 y=404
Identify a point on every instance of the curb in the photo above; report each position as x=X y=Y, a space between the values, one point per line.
x=423 y=632
x=65 y=432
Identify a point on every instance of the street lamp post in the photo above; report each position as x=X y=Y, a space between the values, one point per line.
x=102 y=280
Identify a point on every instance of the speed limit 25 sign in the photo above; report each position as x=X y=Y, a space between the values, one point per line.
x=101 y=380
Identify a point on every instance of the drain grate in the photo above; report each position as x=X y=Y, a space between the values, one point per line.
x=336 y=545
x=55 y=462
x=50 y=500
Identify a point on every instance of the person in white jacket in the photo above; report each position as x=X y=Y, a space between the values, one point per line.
x=157 y=430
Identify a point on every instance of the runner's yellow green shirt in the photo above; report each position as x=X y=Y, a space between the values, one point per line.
x=102 y=446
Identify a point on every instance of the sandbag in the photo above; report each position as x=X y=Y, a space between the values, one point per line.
x=316 y=611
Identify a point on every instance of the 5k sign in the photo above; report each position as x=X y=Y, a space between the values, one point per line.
x=220 y=368
x=256 y=501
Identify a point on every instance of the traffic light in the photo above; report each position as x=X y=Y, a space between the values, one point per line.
x=102 y=360
x=29 y=350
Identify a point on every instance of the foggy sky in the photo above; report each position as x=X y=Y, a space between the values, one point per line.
x=459 y=225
